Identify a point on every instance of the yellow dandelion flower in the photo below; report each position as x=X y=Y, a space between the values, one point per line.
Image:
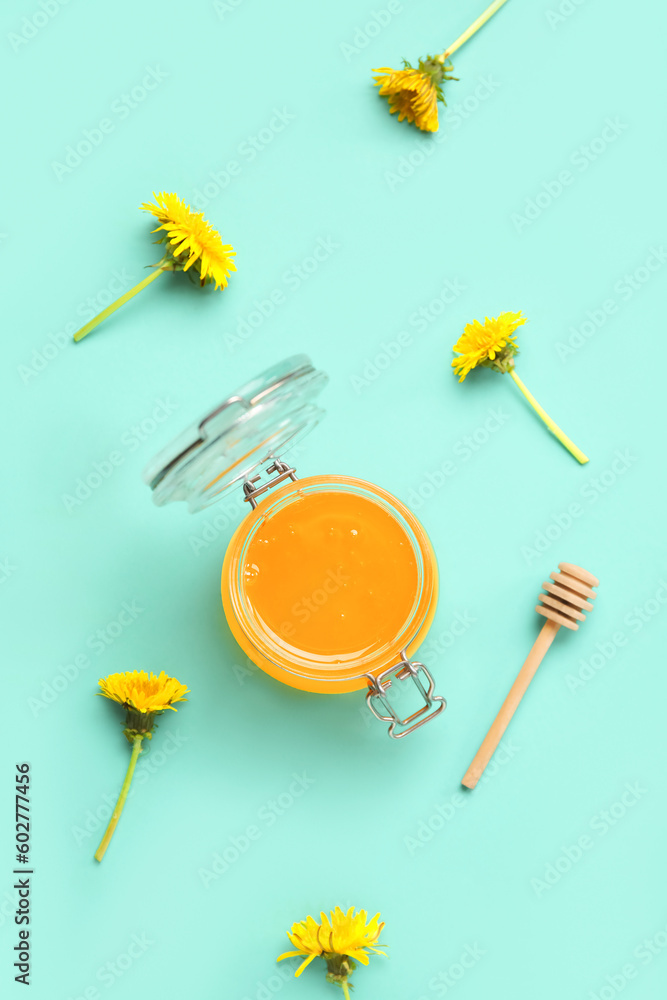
x=414 y=93
x=492 y=344
x=340 y=938
x=191 y=240
x=492 y=340
x=143 y=692
x=143 y=696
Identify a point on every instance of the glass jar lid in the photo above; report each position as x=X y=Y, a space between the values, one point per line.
x=259 y=422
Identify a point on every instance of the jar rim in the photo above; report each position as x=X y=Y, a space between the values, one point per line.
x=263 y=647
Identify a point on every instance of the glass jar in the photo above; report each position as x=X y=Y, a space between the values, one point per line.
x=330 y=583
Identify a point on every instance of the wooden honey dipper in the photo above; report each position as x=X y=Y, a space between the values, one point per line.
x=567 y=597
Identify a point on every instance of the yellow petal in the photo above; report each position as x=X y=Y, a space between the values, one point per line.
x=304 y=964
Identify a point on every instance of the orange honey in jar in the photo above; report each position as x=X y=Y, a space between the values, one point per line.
x=329 y=583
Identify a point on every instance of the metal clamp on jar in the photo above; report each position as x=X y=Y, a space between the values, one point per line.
x=329 y=583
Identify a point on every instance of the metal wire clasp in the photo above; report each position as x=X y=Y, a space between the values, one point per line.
x=377 y=691
x=283 y=471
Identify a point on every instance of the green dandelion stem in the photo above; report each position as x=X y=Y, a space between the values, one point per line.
x=346 y=990
x=553 y=427
x=155 y=273
x=475 y=26
x=113 y=822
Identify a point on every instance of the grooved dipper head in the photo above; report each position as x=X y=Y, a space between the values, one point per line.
x=568 y=594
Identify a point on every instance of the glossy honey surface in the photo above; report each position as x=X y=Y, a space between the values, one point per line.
x=327 y=581
x=332 y=575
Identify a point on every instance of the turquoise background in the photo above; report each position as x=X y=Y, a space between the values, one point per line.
x=381 y=825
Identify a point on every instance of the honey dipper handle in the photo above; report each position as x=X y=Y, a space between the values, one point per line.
x=510 y=705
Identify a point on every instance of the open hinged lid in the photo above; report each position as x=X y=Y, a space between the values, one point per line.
x=255 y=425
